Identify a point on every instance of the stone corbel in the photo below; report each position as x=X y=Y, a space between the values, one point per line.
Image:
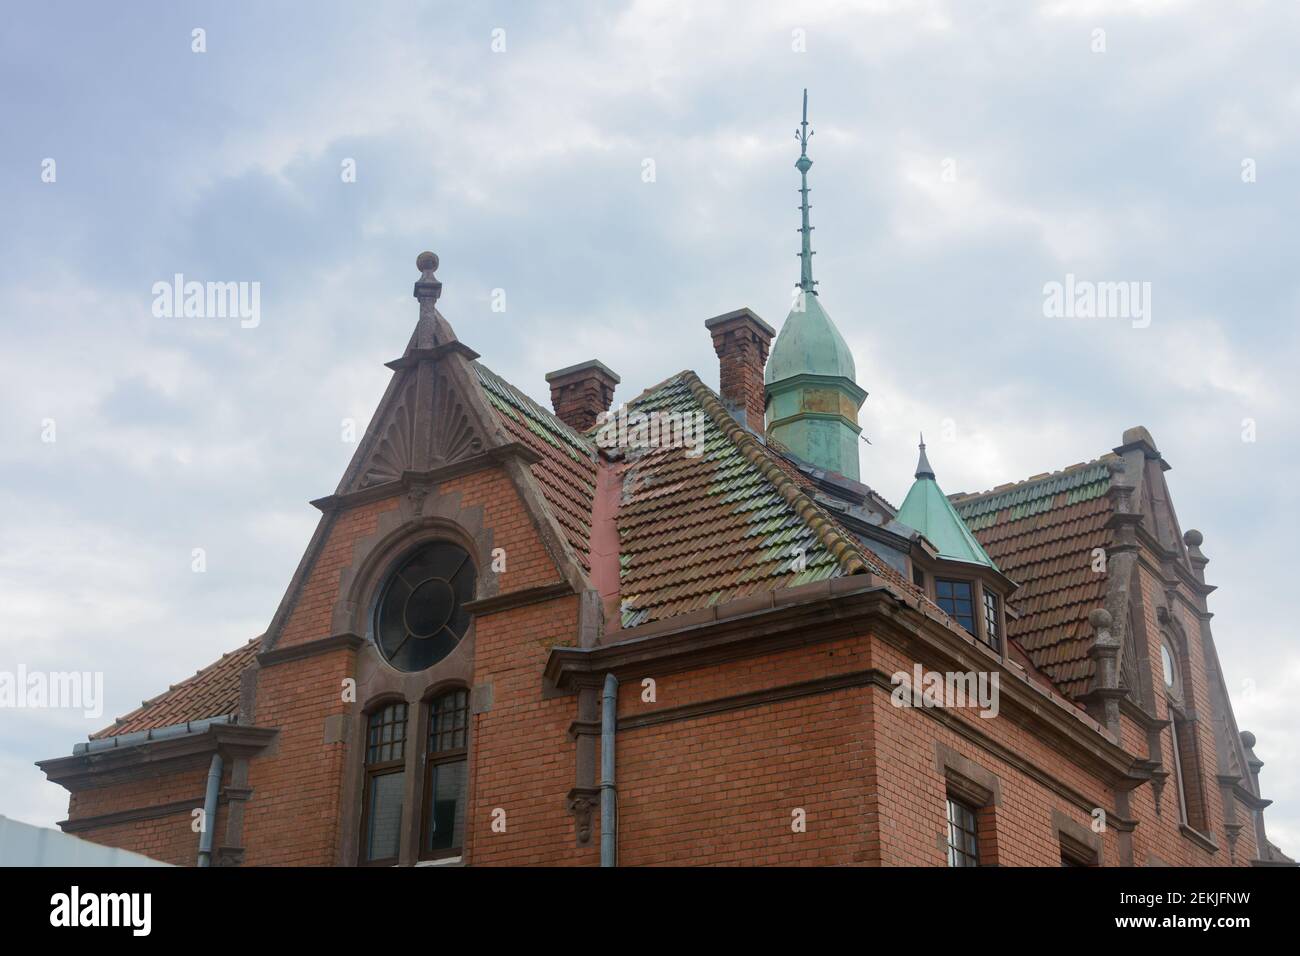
x=582 y=803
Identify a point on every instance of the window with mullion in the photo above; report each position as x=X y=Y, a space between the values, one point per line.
x=963 y=845
x=958 y=599
x=385 y=784
x=990 y=618
x=442 y=826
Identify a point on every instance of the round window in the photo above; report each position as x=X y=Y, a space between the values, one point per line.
x=421 y=616
x=1167 y=665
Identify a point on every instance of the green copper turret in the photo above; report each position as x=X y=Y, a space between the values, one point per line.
x=812 y=398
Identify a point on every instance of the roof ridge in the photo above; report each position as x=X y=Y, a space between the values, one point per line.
x=551 y=419
x=964 y=497
x=850 y=557
x=675 y=377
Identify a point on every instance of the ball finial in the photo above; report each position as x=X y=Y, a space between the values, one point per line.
x=1248 y=739
x=426 y=262
x=1099 y=618
x=1193 y=538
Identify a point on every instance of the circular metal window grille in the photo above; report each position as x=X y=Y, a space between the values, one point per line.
x=421 y=617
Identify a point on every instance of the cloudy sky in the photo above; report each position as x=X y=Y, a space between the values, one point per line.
x=966 y=155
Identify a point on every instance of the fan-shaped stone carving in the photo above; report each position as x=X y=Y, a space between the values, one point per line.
x=454 y=434
x=393 y=450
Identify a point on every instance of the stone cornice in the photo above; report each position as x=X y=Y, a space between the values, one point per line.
x=1243 y=793
x=150 y=756
x=136 y=813
x=514 y=599
x=324 y=645
x=774 y=621
x=489 y=459
x=415 y=356
x=1135 y=713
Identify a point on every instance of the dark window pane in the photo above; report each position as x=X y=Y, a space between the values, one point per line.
x=420 y=616
x=386 y=737
x=446 y=825
x=384 y=815
x=991 y=618
x=448 y=720
x=957 y=598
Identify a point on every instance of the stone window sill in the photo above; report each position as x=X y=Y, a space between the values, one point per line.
x=1203 y=840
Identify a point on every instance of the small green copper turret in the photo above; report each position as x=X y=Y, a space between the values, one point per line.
x=812 y=398
x=928 y=510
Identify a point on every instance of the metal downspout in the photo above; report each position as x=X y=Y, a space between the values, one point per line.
x=210 y=810
x=608 y=792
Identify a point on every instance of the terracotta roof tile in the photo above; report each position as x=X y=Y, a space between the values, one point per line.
x=212 y=692
x=698 y=531
x=1042 y=533
x=567 y=471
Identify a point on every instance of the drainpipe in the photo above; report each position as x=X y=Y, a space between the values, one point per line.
x=210 y=811
x=608 y=793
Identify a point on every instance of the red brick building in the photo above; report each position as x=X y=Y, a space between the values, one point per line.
x=794 y=674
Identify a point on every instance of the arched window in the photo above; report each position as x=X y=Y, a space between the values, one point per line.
x=420 y=616
x=381 y=819
x=442 y=828
x=1182 y=738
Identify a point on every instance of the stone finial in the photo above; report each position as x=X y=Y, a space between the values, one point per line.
x=923 y=467
x=428 y=286
x=1248 y=740
x=1139 y=436
x=1193 y=539
x=1100 y=620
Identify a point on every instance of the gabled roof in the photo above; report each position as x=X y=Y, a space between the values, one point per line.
x=211 y=692
x=695 y=531
x=1042 y=533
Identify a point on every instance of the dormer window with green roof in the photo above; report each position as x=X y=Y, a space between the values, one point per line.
x=962 y=579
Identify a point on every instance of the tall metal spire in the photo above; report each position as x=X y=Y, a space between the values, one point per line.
x=803 y=164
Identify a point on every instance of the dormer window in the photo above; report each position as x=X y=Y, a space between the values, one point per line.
x=991 y=617
x=957 y=598
x=960 y=599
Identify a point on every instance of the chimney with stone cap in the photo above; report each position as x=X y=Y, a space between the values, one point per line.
x=581 y=392
x=741 y=340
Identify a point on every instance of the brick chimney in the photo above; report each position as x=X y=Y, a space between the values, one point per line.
x=741 y=340
x=581 y=392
